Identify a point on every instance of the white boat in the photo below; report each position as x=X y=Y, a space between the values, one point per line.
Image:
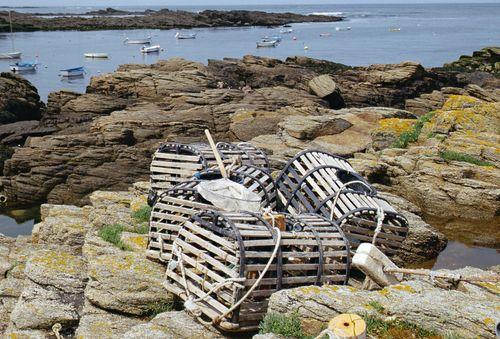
x=324 y=35
x=272 y=43
x=72 y=72
x=395 y=29
x=152 y=49
x=342 y=29
x=271 y=38
x=286 y=30
x=13 y=54
x=185 y=36
x=145 y=41
x=10 y=55
x=20 y=67
x=96 y=55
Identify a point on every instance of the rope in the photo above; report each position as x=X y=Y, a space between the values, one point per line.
x=444 y=275
x=257 y=282
x=56 y=328
x=341 y=189
x=380 y=211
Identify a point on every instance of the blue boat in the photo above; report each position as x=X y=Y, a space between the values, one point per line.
x=72 y=72
x=23 y=67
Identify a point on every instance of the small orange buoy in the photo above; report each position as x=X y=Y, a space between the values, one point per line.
x=348 y=326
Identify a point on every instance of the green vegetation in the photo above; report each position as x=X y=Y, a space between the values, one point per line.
x=143 y=214
x=396 y=329
x=142 y=228
x=112 y=234
x=376 y=306
x=412 y=135
x=456 y=156
x=285 y=325
x=159 y=307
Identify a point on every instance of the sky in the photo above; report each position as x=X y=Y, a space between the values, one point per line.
x=212 y=2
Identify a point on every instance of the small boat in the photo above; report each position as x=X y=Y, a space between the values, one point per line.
x=145 y=41
x=13 y=54
x=20 y=67
x=185 y=36
x=272 y=43
x=342 y=29
x=395 y=29
x=152 y=49
x=96 y=55
x=325 y=34
x=271 y=38
x=287 y=25
x=286 y=31
x=10 y=55
x=72 y=72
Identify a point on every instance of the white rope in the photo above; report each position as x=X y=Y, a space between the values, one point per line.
x=340 y=191
x=56 y=328
x=257 y=282
x=380 y=220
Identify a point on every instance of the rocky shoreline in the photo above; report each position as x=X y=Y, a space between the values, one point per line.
x=426 y=138
x=162 y=19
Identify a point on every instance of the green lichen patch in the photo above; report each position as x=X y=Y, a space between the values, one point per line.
x=395 y=329
x=153 y=309
x=411 y=135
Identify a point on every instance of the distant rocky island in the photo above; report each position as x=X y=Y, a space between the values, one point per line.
x=161 y=19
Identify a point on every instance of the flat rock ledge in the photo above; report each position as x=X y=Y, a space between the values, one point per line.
x=465 y=311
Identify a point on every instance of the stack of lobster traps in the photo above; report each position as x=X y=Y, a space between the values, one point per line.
x=225 y=264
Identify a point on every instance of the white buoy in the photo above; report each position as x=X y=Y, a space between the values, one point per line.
x=372 y=262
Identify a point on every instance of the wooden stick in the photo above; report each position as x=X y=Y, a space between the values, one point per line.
x=483 y=278
x=216 y=153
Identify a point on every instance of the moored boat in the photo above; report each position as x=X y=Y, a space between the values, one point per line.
x=272 y=43
x=286 y=30
x=72 y=72
x=271 y=38
x=395 y=29
x=14 y=54
x=185 y=36
x=96 y=55
x=342 y=29
x=23 y=67
x=326 y=34
x=152 y=49
x=145 y=41
x=10 y=55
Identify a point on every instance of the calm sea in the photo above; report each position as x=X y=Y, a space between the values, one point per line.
x=430 y=33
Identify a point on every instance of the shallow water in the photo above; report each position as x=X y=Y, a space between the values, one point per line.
x=18 y=222
x=430 y=33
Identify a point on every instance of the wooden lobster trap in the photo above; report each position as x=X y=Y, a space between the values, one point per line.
x=318 y=182
x=173 y=162
x=225 y=266
x=175 y=205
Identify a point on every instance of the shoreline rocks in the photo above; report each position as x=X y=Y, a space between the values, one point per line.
x=161 y=19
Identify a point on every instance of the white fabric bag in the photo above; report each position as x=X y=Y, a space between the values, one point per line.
x=229 y=195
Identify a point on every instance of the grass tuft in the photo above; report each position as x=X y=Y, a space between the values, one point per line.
x=396 y=329
x=285 y=325
x=376 y=306
x=158 y=307
x=412 y=135
x=112 y=234
x=456 y=156
x=143 y=214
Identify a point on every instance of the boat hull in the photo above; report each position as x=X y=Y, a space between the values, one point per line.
x=20 y=69
x=267 y=44
x=138 y=41
x=152 y=49
x=10 y=55
x=96 y=55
